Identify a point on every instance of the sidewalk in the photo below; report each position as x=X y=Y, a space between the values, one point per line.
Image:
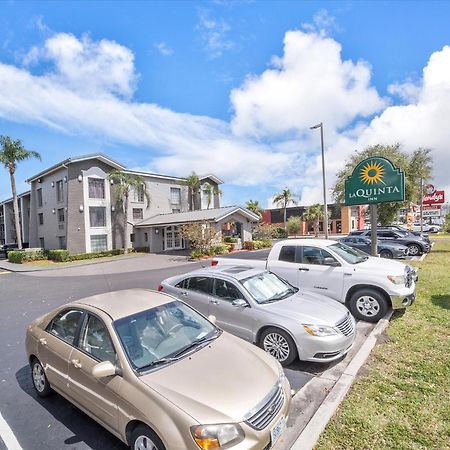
x=113 y=264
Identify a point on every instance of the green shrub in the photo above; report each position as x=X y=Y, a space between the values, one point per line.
x=196 y=254
x=281 y=233
x=58 y=255
x=248 y=245
x=220 y=249
x=293 y=225
x=141 y=249
x=230 y=239
x=265 y=231
x=94 y=255
x=21 y=256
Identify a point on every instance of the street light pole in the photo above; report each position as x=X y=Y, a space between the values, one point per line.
x=325 y=206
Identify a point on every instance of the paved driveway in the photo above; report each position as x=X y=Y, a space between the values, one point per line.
x=53 y=423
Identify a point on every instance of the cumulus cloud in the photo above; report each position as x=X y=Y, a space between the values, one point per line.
x=310 y=83
x=86 y=87
x=163 y=48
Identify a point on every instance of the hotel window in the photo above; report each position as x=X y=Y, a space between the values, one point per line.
x=41 y=218
x=61 y=215
x=39 y=197
x=175 y=196
x=146 y=237
x=59 y=191
x=99 y=243
x=62 y=242
x=97 y=216
x=138 y=213
x=41 y=242
x=96 y=187
x=139 y=195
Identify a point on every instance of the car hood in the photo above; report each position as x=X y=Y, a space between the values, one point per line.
x=381 y=266
x=219 y=383
x=308 y=307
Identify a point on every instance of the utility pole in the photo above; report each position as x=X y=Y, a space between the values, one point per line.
x=325 y=206
x=421 y=204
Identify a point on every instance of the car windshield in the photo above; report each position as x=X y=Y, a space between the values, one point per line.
x=349 y=254
x=266 y=287
x=163 y=334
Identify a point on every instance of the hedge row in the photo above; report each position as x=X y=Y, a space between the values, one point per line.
x=21 y=256
x=257 y=244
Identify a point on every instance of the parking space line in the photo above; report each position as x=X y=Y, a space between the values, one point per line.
x=4 y=272
x=7 y=435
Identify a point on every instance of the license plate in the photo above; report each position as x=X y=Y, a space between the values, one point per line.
x=277 y=430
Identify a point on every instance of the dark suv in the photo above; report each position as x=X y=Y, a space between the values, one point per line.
x=5 y=248
x=424 y=236
x=416 y=245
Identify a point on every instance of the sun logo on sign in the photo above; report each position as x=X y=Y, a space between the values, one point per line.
x=372 y=173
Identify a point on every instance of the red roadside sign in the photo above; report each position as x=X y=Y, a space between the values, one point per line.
x=435 y=198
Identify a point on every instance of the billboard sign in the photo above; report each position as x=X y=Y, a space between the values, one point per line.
x=432 y=196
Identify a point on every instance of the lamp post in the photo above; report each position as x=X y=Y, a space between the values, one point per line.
x=325 y=206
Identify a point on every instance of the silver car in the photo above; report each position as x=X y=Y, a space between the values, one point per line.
x=260 y=307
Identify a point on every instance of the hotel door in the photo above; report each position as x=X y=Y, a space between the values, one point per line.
x=172 y=238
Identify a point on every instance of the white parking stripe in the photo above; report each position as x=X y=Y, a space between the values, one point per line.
x=7 y=435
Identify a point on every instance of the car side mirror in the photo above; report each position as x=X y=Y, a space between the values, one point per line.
x=212 y=319
x=328 y=261
x=104 y=369
x=239 y=303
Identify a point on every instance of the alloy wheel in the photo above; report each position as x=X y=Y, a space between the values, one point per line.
x=277 y=346
x=144 y=443
x=367 y=306
x=38 y=377
x=414 y=250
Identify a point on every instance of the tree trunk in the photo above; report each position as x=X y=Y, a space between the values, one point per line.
x=16 y=209
x=285 y=222
x=316 y=228
x=125 y=225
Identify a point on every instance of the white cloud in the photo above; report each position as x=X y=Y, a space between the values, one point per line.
x=322 y=23
x=214 y=34
x=163 y=48
x=310 y=83
x=88 y=89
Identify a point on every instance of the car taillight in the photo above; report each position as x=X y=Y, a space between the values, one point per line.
x=214 y=262
x=160 y=288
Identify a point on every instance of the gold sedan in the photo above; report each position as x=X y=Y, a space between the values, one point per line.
x=157 y=374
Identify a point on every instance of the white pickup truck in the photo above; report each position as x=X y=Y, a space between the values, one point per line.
x=366 y=284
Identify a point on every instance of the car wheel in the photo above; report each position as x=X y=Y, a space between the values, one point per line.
x=386 y=254
x=40 y=382
x=368 y=305
x=414 y=250
x=280 y=345
x=144 y=438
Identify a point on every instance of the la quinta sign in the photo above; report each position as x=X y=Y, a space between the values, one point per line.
x=375 y=180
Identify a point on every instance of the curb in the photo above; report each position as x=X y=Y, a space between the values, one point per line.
x=311 y=433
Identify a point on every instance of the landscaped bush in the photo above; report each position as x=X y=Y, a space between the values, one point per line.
x=32 y=254
x=230 y=239
x=140 y=249
x=257 y=244
x=265 y=231
x=94 y=255
x=220 y=249
x=293 y=225
x=281 y=233
x=58 y=255
x=196 y=254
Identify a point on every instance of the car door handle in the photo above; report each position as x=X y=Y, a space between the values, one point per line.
x=348 y=274
x=43 y=341
x=183 y=293
x=215 y=302
x=303 y=269
x=76 y=363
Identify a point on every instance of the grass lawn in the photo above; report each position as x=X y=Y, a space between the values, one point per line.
x=402 y=398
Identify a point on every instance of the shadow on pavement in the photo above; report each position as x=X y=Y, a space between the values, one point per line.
x=84 y=428
x=441 y=300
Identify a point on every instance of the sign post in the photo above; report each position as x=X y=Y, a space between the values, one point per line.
x=374 y=180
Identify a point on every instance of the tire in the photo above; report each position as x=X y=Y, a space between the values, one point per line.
x=39 y=379
x=368 y=305
x=414 y=250
x=144 y=438
x=386 y=254
x=279 y=344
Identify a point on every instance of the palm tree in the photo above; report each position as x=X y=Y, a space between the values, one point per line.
x=11 y=153
x=124 y=184
x=193 y=183
x=210 y=191
x=282 y=200
x=253 y=205
x=314 y=213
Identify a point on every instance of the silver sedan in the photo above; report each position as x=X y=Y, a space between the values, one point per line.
x=260 y=307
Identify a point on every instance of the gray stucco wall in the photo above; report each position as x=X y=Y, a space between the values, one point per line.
x=246 y=225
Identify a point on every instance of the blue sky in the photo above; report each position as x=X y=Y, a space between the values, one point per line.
x=225 y=87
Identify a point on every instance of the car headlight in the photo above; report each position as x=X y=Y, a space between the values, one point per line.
x=319 y=330
x=223 y=435
x=397 y=279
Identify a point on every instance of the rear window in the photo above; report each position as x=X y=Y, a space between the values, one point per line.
x=287 y=253
x=199 y=284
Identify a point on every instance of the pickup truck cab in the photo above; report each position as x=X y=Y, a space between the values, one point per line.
x=369 y=286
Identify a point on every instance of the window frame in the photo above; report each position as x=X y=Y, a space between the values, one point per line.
x=82 y=329
x=227 y=299
x=321 y=250
x=210 y=281
x=178 y=195
x=40 y=216
x=96 y=180
x=39 y=196
x=141 y=214
x=59 y=191
x=77 y=331
x=297 y=254
x=103 y=208
x=96 y=236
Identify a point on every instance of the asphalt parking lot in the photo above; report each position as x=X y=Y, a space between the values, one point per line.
x=53 y=423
